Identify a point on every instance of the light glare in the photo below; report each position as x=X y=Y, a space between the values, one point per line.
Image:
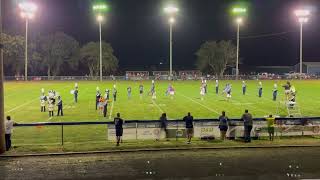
x=302 y=13
x=28 y=9
x=239 y=20
x=239 y=10
x=171 y=20
x=100 y=7
x=99 y=18
x=171 y=10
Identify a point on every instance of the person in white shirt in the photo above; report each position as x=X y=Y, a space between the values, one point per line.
x=9 y=126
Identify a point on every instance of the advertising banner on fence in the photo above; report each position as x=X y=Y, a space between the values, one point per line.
x=152 y=130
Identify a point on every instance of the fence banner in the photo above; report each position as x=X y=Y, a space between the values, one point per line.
x=152 y=130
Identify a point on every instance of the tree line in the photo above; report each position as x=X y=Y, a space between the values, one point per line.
x=56 y=54
x=60 y=54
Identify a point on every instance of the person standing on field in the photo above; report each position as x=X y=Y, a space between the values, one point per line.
x=275 y=92
x=75 y=93
x=9 y=126
x=118 y=122
x=51 y=106
x=260 y=89
x=43 y=100
x=105 y=107
x=114 y=93
x=217 y=86
x=244 y=88
x=223 y=125
x=189 y=126
x=98 y=95
x=247 y=122
x=60 y=108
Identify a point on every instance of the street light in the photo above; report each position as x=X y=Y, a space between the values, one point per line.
x=99 y=9
x=303 y=17
x=27 y=11
x=239 y=12
x=171 y=11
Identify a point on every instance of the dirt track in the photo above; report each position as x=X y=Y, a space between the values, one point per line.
x=276 y=163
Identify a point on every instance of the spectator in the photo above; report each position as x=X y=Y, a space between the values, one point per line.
x=223 y=125
x=247 y=122
x=189 y=127
x=9 y=126
x=118 y=122
x=270 y=122
x=164 y=123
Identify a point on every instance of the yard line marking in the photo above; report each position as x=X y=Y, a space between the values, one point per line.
x=159 y=108
x=154 y=103
x=18 y=107
x=111 y=110
x=212 y=110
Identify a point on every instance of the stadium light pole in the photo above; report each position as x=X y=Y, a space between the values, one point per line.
x=100 y=19
x=99 y=9
x=303 y=17
x=28 y=9
x=239 y=12
x=239 y=21
x=171 y=11
x=2 y=128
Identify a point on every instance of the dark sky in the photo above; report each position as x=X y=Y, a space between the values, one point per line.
x=139 y=33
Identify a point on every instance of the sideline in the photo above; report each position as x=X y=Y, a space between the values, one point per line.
x=159 y=150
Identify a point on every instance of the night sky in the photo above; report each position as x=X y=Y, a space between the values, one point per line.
x=139 y=32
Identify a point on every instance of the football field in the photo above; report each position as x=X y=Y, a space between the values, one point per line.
x=22 y=100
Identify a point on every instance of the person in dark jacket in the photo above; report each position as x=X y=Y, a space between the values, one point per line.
x=223 y=125
x=60 y=108
x=164 y=124
x=118 y=122
x=247 y=122
x=105 y=107
x=98 y=95
x=75 y=93
x=189 y=126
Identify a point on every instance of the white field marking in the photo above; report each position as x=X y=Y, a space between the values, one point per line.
x=264 y=97
x=157 y=106
x=111 y=110
x=250 y=106
x=18 y=107
x=212 y=110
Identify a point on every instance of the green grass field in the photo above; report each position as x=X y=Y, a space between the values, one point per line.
x=22 y=103
x=22 y=100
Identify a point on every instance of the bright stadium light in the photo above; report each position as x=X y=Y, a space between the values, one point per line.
x=239 y=20
x=99 y=10
x=171 y=11
x=303 y=17
x=27 y=12
x=171 y=20
x=99 y=7
x=100 y=18
x=238 y=10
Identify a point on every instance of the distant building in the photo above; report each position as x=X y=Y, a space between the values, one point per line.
x=311 y=68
